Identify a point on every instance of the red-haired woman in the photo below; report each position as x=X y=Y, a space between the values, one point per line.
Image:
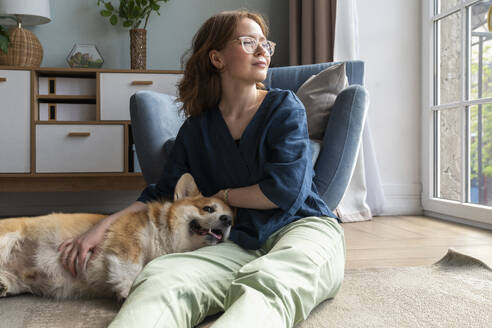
x=249 y=146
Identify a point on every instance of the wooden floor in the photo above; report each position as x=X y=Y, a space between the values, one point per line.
x=391 y=241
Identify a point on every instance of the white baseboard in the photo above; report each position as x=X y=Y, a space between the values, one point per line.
x=40 y=203
x=455 y=219
x=402 y=199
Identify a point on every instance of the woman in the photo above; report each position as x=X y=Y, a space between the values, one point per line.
x=249 y=146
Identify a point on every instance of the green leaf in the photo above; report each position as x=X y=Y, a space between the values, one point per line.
x=131 y=12
x=106 y=13
x=136 y=13
x=113 y=20
x=123 y=12
x=109 y=6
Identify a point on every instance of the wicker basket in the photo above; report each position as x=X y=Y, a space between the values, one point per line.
x=24 y=49
x=138 y=48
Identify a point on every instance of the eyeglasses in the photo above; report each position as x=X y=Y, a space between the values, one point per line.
x=251 y=44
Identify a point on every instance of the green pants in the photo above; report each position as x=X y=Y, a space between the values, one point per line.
x=278 y=285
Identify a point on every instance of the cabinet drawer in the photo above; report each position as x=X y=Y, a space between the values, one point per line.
x=79 y=148
x=15 y=117
x=117 y=88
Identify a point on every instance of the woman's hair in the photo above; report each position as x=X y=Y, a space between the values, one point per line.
x=200 y=88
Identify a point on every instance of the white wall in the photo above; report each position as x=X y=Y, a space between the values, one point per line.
x=389 y=32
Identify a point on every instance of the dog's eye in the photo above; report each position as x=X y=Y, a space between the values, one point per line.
x=208 y=209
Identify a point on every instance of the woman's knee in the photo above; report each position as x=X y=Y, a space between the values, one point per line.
x=310 y=251
x=319 y=238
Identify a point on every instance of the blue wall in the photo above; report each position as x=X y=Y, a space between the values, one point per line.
x=168 y=35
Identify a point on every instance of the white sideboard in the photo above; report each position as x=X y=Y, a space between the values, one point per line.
x=62 y=123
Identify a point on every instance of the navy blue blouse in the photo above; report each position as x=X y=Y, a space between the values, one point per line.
x=273 y=151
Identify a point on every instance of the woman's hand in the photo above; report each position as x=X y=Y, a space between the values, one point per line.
x=75 y=250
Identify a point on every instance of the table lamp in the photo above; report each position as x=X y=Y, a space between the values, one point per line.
x=25 y=48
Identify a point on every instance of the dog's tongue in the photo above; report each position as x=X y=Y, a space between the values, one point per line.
x=219 y=237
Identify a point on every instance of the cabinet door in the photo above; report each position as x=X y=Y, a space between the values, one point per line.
x=15 y=100
x=117 y=88
x=79 y=148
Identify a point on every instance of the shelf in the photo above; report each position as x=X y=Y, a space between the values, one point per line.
x=67 y=99
x=72 y=182
x=87 y=73
x=68 y=175
x=83 y=122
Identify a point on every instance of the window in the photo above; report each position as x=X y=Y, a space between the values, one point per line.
x=457 y=109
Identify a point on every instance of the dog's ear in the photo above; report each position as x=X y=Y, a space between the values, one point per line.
x=186 y=187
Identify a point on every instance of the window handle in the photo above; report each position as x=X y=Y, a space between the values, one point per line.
x=3 y=79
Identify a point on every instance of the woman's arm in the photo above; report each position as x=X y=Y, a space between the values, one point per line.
x=75 y=250
x=247 y=197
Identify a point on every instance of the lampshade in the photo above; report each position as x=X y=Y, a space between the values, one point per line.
x=31 y=12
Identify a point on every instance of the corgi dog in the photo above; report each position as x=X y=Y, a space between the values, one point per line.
x=30 y=261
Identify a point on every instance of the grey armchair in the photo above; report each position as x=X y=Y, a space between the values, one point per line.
x=155 y=123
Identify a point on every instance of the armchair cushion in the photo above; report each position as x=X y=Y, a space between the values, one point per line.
x=318 y=95
x=155 y=119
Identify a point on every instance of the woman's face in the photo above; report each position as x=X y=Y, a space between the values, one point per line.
x=238 y=64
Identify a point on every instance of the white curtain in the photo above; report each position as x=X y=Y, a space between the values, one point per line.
x=364 y=196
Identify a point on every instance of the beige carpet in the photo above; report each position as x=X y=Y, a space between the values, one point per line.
x=454 y=292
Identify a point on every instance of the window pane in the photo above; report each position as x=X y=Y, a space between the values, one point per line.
x=443 y=5
x=481 y=154
x=481 y=53
x=450 y=58
x=450 y=141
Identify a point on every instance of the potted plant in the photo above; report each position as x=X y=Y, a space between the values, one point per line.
x=132 y=14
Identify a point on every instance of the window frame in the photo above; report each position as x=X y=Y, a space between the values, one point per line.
x=468 y=212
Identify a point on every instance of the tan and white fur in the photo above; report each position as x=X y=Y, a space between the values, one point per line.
x=30 y=261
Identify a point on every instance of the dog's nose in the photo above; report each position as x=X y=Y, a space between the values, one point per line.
x=226 y=220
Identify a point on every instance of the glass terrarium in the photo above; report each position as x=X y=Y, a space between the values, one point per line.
x=85 y=56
